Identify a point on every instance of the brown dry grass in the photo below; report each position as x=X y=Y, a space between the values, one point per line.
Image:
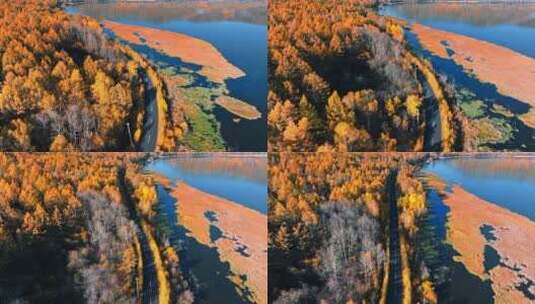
x=436 y=182
x=511 y=72
x=191 y=50
x=248 y=226
x=529 y=118
x=514 y=234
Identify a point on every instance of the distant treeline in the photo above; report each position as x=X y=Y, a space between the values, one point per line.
x=253 y=11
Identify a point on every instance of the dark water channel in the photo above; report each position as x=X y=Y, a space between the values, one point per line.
x=202 y=264
x=499 y=181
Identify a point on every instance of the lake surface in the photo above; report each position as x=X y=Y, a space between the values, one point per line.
x=244 y=183
x=508 y=25
x=509 y=183
x=504 y=182
x=242 y=43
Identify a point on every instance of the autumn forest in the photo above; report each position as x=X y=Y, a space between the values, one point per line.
x=341 y=78
x=83 y=223
x=331 y=222
x=65 y=86
x=267 y=151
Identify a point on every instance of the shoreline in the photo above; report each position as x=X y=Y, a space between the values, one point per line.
x=241 y=229
x=517 y=71
x=214 y=66
x=467 y=217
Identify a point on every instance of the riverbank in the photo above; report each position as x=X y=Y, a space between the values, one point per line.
x=189 y=49
x=512 y=73
x=476 y=228
x=195 y=75
x=239 y=233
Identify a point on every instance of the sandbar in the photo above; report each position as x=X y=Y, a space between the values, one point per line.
x=238 y=107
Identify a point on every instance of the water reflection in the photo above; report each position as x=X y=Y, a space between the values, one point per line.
x=506 y=182
x=250 y=11
x=239 y=179
x=481 y=14
x=508 y=25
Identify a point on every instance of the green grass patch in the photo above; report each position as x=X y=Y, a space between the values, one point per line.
x=169 y=71
x=200 y=96
x=465 y=94
x=204 y=134
x=204 y=130
x=473 y=109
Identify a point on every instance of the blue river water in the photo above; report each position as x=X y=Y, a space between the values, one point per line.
x=508 y=25
x=499 y=181
x=230 y=184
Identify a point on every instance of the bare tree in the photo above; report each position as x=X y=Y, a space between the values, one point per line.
x=305 y=294
x=111 y=233
x=386 y=61
x=351 y=254
x=81 y=124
